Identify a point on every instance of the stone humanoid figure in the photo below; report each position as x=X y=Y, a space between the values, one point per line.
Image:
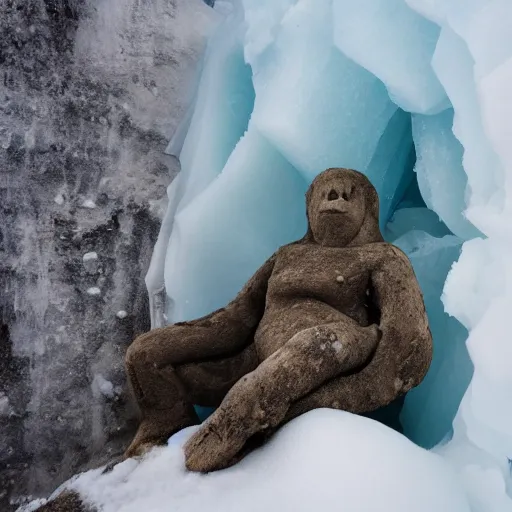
x=334 y=320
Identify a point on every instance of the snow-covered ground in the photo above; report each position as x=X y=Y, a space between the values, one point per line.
x=325 y=460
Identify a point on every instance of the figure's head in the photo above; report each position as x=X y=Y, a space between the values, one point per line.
x=342 y=209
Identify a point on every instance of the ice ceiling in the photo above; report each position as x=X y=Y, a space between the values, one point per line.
x=417 y=94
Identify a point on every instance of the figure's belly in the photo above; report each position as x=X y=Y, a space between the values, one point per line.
x=282 y=322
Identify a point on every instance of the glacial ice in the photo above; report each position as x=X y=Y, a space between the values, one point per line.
x=225 y=97
x=378 y=39
x=430 y=409
x=383 y=87
x=325 y=460
x=330 y=95
x=441 y=177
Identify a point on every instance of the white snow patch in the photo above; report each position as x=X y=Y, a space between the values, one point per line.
x=325 y=460
x=90 y=256
x=121 y=314
x=59 y=199
x=337 y=346
x=89 y=203
x=5 y=407
x=101 y=386
x=94 y=291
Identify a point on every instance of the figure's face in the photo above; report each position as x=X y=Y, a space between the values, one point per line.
x=336 y=208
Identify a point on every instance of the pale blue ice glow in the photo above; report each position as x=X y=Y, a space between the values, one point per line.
x=417 y=94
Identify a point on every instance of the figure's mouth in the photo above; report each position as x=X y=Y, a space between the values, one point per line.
x=331 y=211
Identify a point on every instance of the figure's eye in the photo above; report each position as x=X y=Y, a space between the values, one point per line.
x=348 y=195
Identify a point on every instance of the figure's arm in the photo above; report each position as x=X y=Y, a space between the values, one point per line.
x=403 y=319
x=225 y=331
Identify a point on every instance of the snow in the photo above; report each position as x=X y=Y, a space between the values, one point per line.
x=90 y=256
x=5 y=406
x=121 y=314
x=337 y=346
x=325 y=460
x=102 y=387
x=90 y=262
x=89 y=203
x=59 y=199
x=94 y=290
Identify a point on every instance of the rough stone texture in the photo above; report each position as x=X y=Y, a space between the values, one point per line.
x=90 y=93
x=68 y=501
x=335 y=319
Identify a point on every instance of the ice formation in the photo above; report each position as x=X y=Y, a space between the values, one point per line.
x=416 y=94
x=325 y=460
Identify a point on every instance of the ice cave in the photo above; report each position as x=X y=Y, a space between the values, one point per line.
x=416 y=94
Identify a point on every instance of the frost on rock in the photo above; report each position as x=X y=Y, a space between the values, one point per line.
x=417 y=94
x=93 y=91
x=90 y=261
x=324 y=460
x=5 y=408
x=102 y=387
x=89 y=203
x=88 y=256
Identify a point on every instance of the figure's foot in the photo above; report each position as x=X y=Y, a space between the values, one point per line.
x=158 y=426
x=113 y=463
x=140 y=448
x=212 y=447
x=135 y=450
x=247 y=409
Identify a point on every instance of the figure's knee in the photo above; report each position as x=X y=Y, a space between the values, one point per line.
x=141 y=351
x=165 y=346
x=131 y=354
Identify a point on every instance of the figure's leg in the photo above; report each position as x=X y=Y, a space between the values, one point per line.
x=379 y=384
x=166 y=392
x=353 y=393
x=261 y=399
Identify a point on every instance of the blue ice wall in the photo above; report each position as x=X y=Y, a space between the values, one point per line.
x=291 y=87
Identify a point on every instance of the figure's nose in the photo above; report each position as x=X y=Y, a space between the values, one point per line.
x=333 y=195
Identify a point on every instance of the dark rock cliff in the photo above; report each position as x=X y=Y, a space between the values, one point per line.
x=90 y=93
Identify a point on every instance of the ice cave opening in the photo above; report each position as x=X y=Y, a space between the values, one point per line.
x=240 y=193
x=406 y=91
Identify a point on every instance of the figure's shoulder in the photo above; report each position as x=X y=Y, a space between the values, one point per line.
x=384 y=252
x=288 y=254
x=289 y=248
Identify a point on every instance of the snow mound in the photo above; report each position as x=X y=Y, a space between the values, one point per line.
x=325 y=460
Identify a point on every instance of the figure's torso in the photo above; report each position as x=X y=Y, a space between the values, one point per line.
x=312 y=285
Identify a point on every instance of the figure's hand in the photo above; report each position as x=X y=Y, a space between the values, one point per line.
x=411 y=350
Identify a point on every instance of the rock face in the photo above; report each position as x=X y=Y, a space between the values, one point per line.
x=90 y=94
